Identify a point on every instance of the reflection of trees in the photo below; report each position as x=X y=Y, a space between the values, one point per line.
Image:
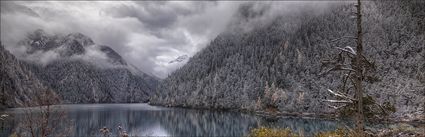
x=180 y=122
x=206 y=123
x=175 y=122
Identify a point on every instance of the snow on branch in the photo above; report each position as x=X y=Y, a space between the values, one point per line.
x=341 y=95
x=336 y=107
x=347 y=49
x=339 y=101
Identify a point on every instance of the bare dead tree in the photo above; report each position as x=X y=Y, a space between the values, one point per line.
x=358 y=69
x=355 y=69
x=42 y=120
x=354 y=66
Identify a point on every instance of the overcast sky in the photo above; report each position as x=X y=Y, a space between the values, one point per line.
x=147 y=34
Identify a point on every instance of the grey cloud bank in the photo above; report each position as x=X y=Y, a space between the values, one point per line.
x=147 y=34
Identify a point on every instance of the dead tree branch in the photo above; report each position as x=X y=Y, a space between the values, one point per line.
x=352 y=37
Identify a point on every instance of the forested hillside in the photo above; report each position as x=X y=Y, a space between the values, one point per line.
x=279 y=63
x=18 y=85
x=82 y=72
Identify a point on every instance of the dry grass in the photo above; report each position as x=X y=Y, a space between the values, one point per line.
x=286 y=132
x=336 y=133
x=270 y=132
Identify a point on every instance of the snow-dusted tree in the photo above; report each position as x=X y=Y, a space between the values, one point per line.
x=356 y=68
x=232 y=71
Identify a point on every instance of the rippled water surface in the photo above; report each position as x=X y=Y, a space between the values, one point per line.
x=143 y=120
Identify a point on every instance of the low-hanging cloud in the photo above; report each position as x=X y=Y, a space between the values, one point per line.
x=147 y=34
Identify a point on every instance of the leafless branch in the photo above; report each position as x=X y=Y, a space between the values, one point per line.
x=44 y=120
x=347 y=49
x=348 y=69
x=342 y=95
x=345 y=81
x=336 y=107
x=339 y=101
x=343 y=38
x=368 y=63
x=382 y=108
x=337 y=68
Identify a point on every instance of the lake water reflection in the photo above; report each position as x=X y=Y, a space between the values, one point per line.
x=146 y=120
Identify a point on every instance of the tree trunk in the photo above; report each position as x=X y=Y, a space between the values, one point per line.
x=359 y=74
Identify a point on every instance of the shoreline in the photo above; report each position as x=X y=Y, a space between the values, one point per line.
x=265 y=114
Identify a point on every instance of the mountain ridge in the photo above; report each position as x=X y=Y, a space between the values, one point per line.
x=81 y=71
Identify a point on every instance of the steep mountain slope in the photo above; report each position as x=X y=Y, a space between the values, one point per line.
x=83 y=72
x=18 y=85
x=240 y=68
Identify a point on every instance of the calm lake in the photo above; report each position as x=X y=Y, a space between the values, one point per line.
x=145 y=120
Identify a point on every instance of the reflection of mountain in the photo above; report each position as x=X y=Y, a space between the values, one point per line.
x=139 y=119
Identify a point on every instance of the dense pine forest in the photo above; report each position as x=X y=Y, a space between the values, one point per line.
x=239 y=68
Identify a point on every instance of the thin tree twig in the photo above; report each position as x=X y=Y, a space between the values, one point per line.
x=341 y=95
x=339 y=101
x=347 y=49
x=343 y=38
